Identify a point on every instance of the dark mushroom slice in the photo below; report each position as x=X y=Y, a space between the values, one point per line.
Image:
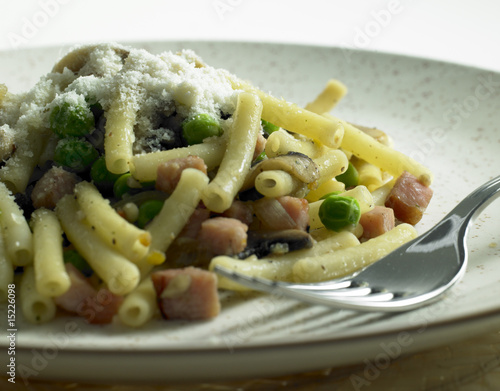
x=262 y=243
x=250 y=195
x=300 y=166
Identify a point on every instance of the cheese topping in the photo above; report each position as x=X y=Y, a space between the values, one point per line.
x=164 y=89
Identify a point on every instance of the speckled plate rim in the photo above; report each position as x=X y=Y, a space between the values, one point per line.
x=436 y=333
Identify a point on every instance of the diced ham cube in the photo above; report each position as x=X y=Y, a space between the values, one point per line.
x=79 y=290
x=409 y=198
x=52 y=186
x=100 y=308
x=298 y=209
x=96 y=306
x=189 y=293
x=377 y=221
x=283 y=213
x=241 y=211
x=193 y=226
x=223 y=236
x=169 y=172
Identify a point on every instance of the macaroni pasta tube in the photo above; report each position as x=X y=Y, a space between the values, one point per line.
x=333 y=92
x=6 y=270
x=17 y=234
x=114 y=230
x=17 y=170
x=120 y=275
x=140 y=305
x=281 y=142
x=329 y=186
x=50 y=274
x=276 y=183
x=280 y=268
x=144 y=167
x=220 y=193
x=289 y=116
x=174 y=214
x=119 y=136
x=348 y=260
x=369 y=174
x=35 y=307
x=331 y=162
x=367 y=148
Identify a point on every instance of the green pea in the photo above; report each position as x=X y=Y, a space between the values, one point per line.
x=147 y=211
x=122 y=185
x=71 y=120
x=329 y=194
x=100 y=174
x=74 y=257
x=350 y=177
x=337 y=212
x=268 y=126
x=198 y=128
x=75 y=154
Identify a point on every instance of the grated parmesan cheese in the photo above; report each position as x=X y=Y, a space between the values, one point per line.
x=162 y=87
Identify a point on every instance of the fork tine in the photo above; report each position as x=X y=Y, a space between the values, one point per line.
x=330 y=290
x=319 y=286
x=256 y=283
x=374 y=297
x=348 y=298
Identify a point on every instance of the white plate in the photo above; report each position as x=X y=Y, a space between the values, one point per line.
x=445 y=115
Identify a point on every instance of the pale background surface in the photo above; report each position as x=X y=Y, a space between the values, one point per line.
x=462 y=31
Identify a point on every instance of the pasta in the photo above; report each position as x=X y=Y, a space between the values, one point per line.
x=348 y=260
x=112 y=228
x=333 y=92
x=282 y=142
x=139 y=306
x=276 y=183
x=121 y=275
x=394 y=162
x=119 y=136
x=331 y=162
x=219 y=194
x=35 y=307
x=329 y=186
x=289 y=116
x=175 y=213
x=6 y=270
x=144 y=167
x=281 y=268
x=51 y=278
x=17 y=170
x=126 y=177
x=17 y=234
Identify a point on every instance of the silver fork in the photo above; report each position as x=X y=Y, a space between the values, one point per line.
x=415 y=274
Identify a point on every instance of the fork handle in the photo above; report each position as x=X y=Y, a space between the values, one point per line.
x=476 y=201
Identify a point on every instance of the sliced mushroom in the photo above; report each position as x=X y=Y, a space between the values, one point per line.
x=262 y=243
x=377 y=134
x=298 y=165
x=76 y=59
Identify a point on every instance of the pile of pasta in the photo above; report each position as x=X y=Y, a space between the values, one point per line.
x=122 y=255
